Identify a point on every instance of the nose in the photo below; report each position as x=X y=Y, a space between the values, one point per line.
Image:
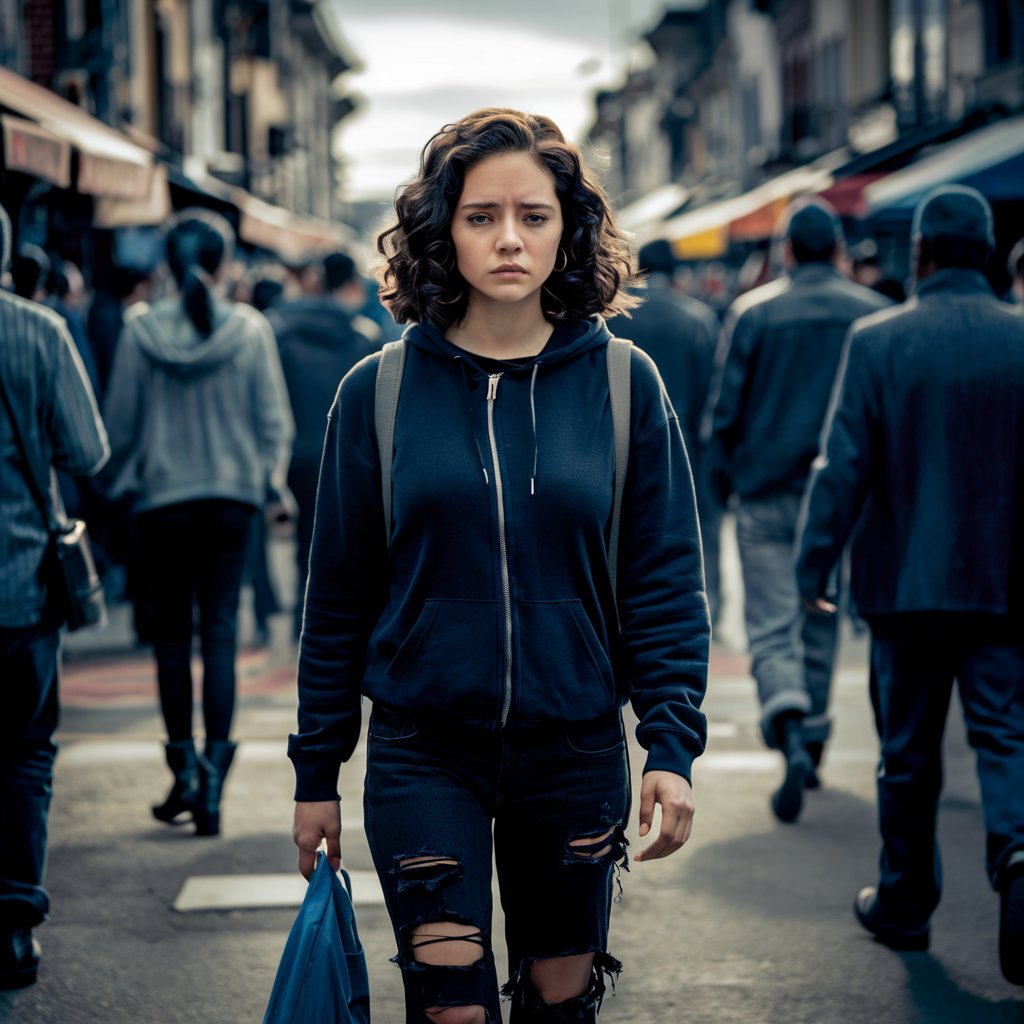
x=508 y=238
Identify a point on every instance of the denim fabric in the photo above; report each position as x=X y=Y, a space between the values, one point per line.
x=29 y=673
x=437 y=789
x=914 y=660
x=195 y=551
x=792 y=653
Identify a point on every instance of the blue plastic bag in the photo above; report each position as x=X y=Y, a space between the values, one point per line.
x=322 y=974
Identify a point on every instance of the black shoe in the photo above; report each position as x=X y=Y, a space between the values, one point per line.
x=817 y=751
x=1011 y=925
x=19 y=959
x=213 y=769
x=788 y=799
x=895 y=936
x=181 y=759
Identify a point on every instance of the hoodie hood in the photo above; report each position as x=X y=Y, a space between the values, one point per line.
x=569 y=339
x=169 y=338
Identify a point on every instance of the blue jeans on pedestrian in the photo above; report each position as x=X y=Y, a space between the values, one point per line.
x=914 y=661
x=194 y=554
x=792 y=654
x=548 y=800
x=29 y=676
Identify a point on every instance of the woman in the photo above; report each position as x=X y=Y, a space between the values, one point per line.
x=199 y=424
x=485 y=628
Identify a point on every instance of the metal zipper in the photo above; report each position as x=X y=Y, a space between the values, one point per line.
x=506 y=590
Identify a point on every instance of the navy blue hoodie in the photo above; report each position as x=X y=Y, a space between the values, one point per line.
x=494 y=605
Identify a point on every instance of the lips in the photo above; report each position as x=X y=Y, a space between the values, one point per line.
x=509 y=268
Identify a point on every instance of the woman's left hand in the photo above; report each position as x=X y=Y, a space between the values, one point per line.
x=673 y=793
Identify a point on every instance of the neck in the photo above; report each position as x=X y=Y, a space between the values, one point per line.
x=501 y=331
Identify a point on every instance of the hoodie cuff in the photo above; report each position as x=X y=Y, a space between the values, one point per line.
x=668 y=752
x=316 y=774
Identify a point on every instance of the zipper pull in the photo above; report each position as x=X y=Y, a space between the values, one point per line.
x=492 y=386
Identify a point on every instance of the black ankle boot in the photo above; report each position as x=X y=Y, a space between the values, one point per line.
x=181 y=759
x=788 y=799
x=213 y=768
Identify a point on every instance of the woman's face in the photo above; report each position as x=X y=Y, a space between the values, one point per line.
x=506 y=229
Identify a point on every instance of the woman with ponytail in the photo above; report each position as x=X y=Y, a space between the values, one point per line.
x=199 y=423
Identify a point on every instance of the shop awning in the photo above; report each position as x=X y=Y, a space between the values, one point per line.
x=292 y=236
x=990 y=159
x=34 y=150
x=708 y=231
x=109 y=164
x=646 y=213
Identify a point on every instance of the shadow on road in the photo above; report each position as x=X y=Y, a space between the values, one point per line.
x=939 y=998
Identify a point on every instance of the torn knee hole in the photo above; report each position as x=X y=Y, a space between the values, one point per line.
x=593 y=847
x=447 y=943
x=428 y=870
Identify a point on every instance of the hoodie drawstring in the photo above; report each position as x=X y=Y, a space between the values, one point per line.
x=533 y=419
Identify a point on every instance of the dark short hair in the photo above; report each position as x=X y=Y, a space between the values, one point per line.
x=339 y=270
x=29 y=270
x=813 y=230
x=420 y=280
x=952 y=227
x=657 y=257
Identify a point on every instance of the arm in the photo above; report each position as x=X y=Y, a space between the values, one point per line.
x=345 y=592
x=727 y=394
x=275 y=426
x=841 y=476
x=123 y=410
x=665 y=626
x=76 y=432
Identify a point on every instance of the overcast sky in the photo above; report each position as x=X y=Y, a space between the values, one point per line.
x=428 y=63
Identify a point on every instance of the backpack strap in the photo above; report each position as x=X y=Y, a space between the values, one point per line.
x=385 y=410
x=619 y=358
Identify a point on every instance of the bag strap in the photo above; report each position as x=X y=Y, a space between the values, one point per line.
x=619 y=358
x=385 y=411
x=32 y=476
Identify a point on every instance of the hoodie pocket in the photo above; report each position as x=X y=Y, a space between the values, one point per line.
x=565 y=672
x=450 y=656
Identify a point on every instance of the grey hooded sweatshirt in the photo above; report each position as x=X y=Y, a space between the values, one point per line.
x=194 y=418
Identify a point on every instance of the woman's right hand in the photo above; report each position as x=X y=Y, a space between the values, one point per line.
x=315 y=822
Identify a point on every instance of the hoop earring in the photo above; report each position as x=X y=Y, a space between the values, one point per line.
x=565 y=261
x=451 y=302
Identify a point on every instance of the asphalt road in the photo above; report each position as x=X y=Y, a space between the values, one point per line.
x=751 y=922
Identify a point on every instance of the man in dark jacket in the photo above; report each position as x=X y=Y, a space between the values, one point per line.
x=679 y=333
x=776 y=368
x=925 y=461
x=55 y=415
x=320 y=339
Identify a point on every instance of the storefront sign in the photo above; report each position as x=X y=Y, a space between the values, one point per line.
x=34 y=150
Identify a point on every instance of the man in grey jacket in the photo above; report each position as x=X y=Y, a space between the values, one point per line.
x=776 y=367
x=57 y=419
x=924 y=466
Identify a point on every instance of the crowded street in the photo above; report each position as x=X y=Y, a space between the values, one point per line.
x=769 y=935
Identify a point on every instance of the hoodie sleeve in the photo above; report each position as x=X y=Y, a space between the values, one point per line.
x=345 y=592
x=123 y=410
x=275 y=426
x=666 y=629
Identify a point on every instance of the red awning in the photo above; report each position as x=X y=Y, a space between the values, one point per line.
x=109 y=163
x=847 y=194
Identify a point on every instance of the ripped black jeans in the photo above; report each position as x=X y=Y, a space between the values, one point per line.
x=555 y=799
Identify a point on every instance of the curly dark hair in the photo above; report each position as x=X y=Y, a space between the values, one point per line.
x=420 y=280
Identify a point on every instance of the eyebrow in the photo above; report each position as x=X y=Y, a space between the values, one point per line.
x=492 y=205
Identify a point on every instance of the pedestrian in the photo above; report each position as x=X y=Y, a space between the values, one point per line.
x=199 y=425
x=780 y=351
x=930 y=391
x=320 y=338
x=680 y=333
x=484 y=625
x=49 y=409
